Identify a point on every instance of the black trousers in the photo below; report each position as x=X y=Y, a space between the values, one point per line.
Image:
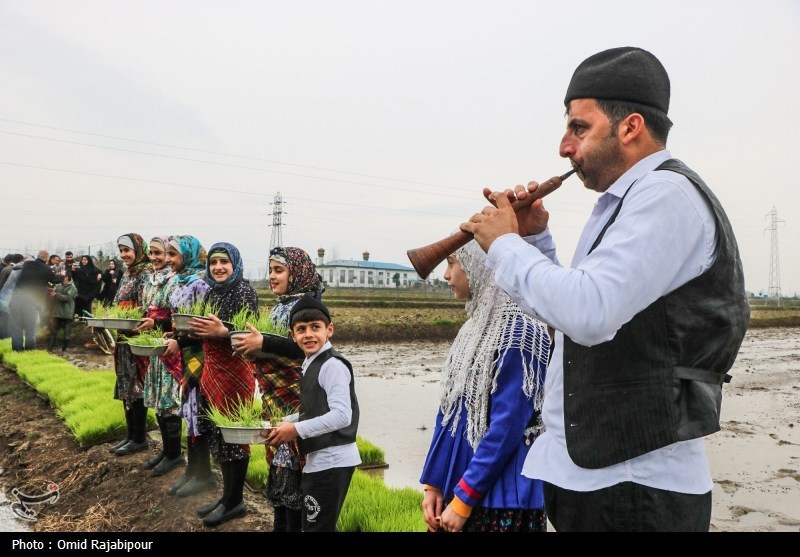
x=626 y=507
x=323 y=497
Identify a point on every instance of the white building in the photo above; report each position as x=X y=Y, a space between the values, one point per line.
x=351 y=273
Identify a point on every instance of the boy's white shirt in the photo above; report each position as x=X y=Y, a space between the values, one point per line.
x=334 y=379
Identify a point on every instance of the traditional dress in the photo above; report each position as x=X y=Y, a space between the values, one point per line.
x=279 y=375
x=490 y=410
x=162 y=387
x=227 y=380
x=131 y=370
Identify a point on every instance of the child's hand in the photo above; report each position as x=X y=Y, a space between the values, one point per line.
x=246 y=345
x=283 y=433
x=172 y=347
x=206 y=328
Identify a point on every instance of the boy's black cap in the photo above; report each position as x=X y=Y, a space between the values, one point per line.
x=308 y=301
x=621 y=74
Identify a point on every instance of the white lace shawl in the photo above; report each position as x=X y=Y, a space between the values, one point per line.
x=495 y=325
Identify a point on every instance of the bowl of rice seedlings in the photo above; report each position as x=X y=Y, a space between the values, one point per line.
x=262 y=322
x=200 y=310
x=242 y=423
x=117 y=317
x=147 y=343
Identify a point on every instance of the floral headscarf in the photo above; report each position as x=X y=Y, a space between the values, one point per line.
x=194 y=259
x=303 y=276
x=141 y=261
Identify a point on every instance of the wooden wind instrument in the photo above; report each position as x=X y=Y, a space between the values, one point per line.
x=426 y=258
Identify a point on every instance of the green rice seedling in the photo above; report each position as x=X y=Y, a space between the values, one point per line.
x=370 y=506
x=119 y=312
x=240 y=414
x=370 y=454
x=199 y=307
x=153 y=337
x=261 y=321
x=257 y=470
x=273 y=412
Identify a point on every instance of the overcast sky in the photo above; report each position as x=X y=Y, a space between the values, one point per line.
x=378 y=123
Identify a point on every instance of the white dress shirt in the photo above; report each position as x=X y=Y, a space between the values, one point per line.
x=664 y=236
x=334 y=379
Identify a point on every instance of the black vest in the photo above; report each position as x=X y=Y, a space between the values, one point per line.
x=659 y=380
x=314 y=402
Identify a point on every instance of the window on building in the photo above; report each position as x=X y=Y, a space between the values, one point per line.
x=341 y=276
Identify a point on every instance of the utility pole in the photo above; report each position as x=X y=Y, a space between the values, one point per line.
x=774 y=291
x=276 y=240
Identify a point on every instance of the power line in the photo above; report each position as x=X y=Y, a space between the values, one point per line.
x=244 y=157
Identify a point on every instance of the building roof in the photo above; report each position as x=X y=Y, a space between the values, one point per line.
x=361 y=264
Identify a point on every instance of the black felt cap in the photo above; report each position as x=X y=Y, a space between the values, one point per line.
x=622 y=74
x=308 y=301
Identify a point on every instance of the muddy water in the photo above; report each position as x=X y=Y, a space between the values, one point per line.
x=397 y=387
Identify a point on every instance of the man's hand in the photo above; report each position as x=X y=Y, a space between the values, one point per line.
x=493 y=221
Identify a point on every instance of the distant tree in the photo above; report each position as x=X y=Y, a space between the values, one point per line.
x=396 y=280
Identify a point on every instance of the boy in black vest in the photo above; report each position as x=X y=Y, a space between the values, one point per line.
x=326 y=430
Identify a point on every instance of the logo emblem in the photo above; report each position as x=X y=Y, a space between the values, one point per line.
x=313 y=508
x=26 y=505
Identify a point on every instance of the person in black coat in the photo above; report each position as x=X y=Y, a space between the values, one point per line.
x=110 y=281
x=88 y=279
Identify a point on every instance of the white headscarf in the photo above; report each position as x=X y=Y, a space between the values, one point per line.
x=495 y=325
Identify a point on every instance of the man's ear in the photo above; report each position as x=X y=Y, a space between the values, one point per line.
x=631 y=128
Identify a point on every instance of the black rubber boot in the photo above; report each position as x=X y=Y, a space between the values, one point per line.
x=153 y=461
x=172 y=446
x=139 y=421
x=233 y=504
x=279 y=523
x=173 y=427
x=294 y=520
x=191 y=468
x=226 y=484
x=238 y=475
x=128 y=430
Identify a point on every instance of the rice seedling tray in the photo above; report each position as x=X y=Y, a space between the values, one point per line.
x=113 y=323
x=147 y=350
x=244 y=435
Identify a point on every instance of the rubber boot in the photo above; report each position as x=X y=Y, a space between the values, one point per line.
x=294 y=520
x=138 y=442
x=238 y=475
x=279 y=523
x=226 y=485
x=128 y=430
x=172 y=446
x=151 y=462
x=139 y=421
x=173 y=427
x=191 y=468
x=233 y=504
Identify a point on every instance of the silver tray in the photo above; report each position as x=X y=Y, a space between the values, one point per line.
x=142 y=350
x=113 y=323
